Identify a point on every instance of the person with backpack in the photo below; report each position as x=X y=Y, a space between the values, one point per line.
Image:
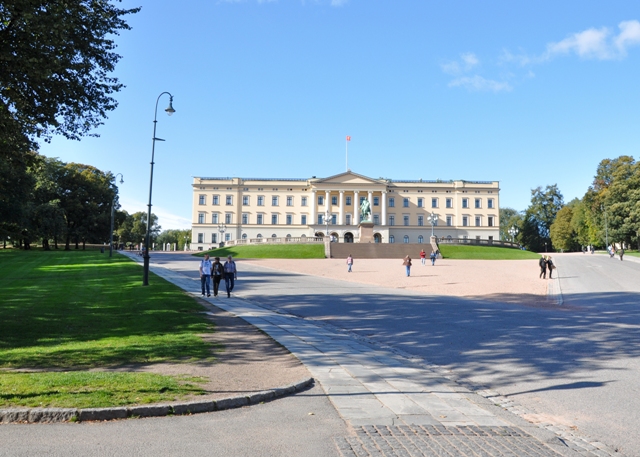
x=217 y=273
x=543 y=267
x=205 y=275
x=230 y=275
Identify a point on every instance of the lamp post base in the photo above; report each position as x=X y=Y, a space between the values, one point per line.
x=145 y=275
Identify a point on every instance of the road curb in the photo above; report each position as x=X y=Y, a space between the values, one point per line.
x=52 y=415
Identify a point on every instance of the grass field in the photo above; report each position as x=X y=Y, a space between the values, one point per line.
x=453 y=251
x=68 y=311
x=272 y=251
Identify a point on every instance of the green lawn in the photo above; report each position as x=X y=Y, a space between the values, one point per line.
x=79 y=310
x=454 y=251
x=271 y=251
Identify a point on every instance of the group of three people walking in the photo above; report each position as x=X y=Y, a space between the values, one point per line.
x=216 y=271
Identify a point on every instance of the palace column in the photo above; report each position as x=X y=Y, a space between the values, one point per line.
x=314 y=203
x=356 y=208
x=341 y=214
x=383 y=215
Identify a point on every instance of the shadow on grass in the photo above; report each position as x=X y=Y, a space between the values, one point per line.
x=81 y=309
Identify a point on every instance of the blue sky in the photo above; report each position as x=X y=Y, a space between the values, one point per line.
x=525 y=93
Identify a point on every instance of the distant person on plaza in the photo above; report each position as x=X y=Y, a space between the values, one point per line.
x=621 y=252
x=349 y=263
x=433 y=257
x=217 y=273
x=543 y=267
x=423 y=257
x=551 y=267
x=205 y=275
x=230 y=274
x=407 y=263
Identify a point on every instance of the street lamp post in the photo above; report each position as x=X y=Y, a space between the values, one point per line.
x=113 y=205
x=513 y=231
x=169 y=110
x=221 y=228
x=606 y=228
x=433 y=218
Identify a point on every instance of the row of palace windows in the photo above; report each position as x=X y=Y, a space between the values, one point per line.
x=406 y=201
x=406 y=219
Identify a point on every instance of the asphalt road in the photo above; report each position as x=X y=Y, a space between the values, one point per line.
x=575 y=365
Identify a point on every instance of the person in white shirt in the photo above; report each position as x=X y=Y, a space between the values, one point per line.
x=205 y=275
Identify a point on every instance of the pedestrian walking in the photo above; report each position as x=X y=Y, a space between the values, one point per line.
x=433 y=257
x=205 y=275
x=551 y=267
x=349 y=263
x=230 y=275
x=423 y=257
x=621 y=252
x=407 y=264
x=217 y=273
x=543 y=267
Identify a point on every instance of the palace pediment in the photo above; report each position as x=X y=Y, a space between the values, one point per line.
x=349 y=177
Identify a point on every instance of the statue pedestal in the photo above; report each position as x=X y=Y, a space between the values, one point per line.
x=366 y=232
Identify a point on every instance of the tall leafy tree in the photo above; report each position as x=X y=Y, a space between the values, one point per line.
x=545 y=204
x=561 y=231
x=509 y=217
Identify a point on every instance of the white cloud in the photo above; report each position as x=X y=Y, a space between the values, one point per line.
x=479 y=84
x=338 y=2
x=591 y=43
x=629 y=36
x=470 y=60
x=467 y=61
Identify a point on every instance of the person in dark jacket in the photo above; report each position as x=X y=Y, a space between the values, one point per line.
x=543 y=267
x=217 y=273
x=550 y=266
x=230 y=275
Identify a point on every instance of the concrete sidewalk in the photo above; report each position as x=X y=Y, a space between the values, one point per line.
x=393 y=401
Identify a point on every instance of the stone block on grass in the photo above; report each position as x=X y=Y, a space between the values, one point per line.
x=14 y=415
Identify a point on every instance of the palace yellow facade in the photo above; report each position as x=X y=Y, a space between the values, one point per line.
x=226 y=209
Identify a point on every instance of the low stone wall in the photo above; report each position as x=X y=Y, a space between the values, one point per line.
x=379 y=250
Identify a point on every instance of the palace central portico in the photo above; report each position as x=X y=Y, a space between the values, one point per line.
x=226 y=209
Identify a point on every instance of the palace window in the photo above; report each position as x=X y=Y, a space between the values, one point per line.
x=490 y=203
x=405 y=202
x=420 y=202
x=245 y=200
x=478 y=203
x=478 y=221
x=449 y=221
x=227 y=218
x=490 y=221
x=465 y=221
x=274 y=219
x=202 y=200
x=289 y=201
x=376 y=201
x=348 y=201
x=245 y=218
x=289 y=219
x=449 y=202
x=420 y=239
x=465 y=202
x=303 y=201
x=392 y=239
x=348 y=219
x=333 y=219
x=376 y=219
x=260 y=219
x=406 y=239
x=260 y=200
x=392 y=220
x=434 y=202
x=215 y=200
x=420 y=221
x=320 y=219
x=274 y=201
x=303 y=219
x=334 y=200
x=405 y=220
x=229 y=200
x=320 y=200
x=214 y=218
x=392 y=202
x=200 y=237
x=214 y=237
x=201 y=218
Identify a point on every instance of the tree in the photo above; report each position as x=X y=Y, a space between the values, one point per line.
x=55 y=64
x=561 y=231
x=179 y=237
x=509 y=217
x=539 y=216
x=133 y=229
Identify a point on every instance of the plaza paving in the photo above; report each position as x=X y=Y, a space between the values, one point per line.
x=393 y=402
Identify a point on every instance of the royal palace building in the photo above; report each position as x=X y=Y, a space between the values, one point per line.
x=402 y=211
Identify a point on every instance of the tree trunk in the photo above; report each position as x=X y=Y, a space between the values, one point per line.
x=84 y=243
x=77 y=243
x=67 y=242
x=45 y=244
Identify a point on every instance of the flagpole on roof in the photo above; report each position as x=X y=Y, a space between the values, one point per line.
x=347 y=145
